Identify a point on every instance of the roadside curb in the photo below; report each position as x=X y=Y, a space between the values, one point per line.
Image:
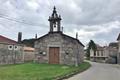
x=71 y=74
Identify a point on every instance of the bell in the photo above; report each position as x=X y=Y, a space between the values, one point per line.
x=54 y=26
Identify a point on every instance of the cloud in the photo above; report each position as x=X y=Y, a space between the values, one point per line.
x=90 y=12
x=99 y=33
x=92 y=19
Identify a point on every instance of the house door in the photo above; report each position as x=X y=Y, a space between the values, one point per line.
x=54 y=55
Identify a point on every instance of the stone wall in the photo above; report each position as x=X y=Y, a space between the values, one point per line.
x=118 y=58
x=118 y=55
x=29 y=56
x=70 y=49
x=10 y=56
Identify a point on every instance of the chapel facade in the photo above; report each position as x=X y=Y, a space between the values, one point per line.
x=55 y=47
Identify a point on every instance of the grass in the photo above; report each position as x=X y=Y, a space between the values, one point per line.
x=34 y=71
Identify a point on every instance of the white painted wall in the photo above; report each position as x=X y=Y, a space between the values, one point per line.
x=100 y=53
x=91 y=53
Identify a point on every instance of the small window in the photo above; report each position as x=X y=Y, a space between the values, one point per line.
x=15 y=47
x=101 y=54
x=94 y=54
x=42 y=53
x=97 y=54
x=67 y=52
x=10 y=47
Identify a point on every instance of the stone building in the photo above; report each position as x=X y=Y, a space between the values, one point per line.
x=56 y=47
x=118 y=55
x=10 y=51
x=28 y=53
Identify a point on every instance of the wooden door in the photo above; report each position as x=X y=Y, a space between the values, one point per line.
x=54 y=55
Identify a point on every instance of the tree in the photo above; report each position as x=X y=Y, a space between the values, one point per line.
x=29 y=42
x=91 y=45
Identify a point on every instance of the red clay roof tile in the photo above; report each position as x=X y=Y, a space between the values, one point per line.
x=6 y=40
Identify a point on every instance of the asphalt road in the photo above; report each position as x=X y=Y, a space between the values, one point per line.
x=99 y=71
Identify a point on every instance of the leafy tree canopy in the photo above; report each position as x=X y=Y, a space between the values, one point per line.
x=29 y=42
x=91 y=45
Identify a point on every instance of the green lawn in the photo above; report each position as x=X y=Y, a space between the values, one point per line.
x=34 y=71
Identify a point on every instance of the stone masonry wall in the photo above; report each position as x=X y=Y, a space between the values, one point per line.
x=69 y=49
x=10 y=56
x=118 y=55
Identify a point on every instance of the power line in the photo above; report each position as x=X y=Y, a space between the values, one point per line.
x=15 y=20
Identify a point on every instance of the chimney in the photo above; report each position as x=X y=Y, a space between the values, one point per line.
x=19 y=37
x=77 y=35
x=35 y=36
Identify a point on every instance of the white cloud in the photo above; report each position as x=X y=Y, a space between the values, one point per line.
x=92 y=19
x=86 y=33
x=33 y=4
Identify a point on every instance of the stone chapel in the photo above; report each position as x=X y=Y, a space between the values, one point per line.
x=55 y=47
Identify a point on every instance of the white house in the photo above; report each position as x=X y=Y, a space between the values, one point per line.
x=104 y=54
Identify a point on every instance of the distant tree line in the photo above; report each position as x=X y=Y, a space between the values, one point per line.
x=29 y=42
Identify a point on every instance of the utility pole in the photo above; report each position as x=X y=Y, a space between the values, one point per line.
x=14 y=54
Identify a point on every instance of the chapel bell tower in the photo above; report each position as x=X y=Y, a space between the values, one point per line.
x=55 y=21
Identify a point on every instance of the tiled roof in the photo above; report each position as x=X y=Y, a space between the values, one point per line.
x=64 y=36
x=113 y=44
x=4 y=39
x=100 y=48
x=73 y=39
x=28 y=49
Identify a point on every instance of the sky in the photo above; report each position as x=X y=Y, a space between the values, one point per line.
x=97 y=20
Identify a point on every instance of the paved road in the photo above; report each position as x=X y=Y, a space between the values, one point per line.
x=99 y=71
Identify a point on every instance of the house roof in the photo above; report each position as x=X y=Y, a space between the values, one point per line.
x=100 y=48
x=112 y=48
x=62 y=35
x=118 y=37
x=113 y=44
x=73 y=39
x=28 y=49
x=4 y=39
